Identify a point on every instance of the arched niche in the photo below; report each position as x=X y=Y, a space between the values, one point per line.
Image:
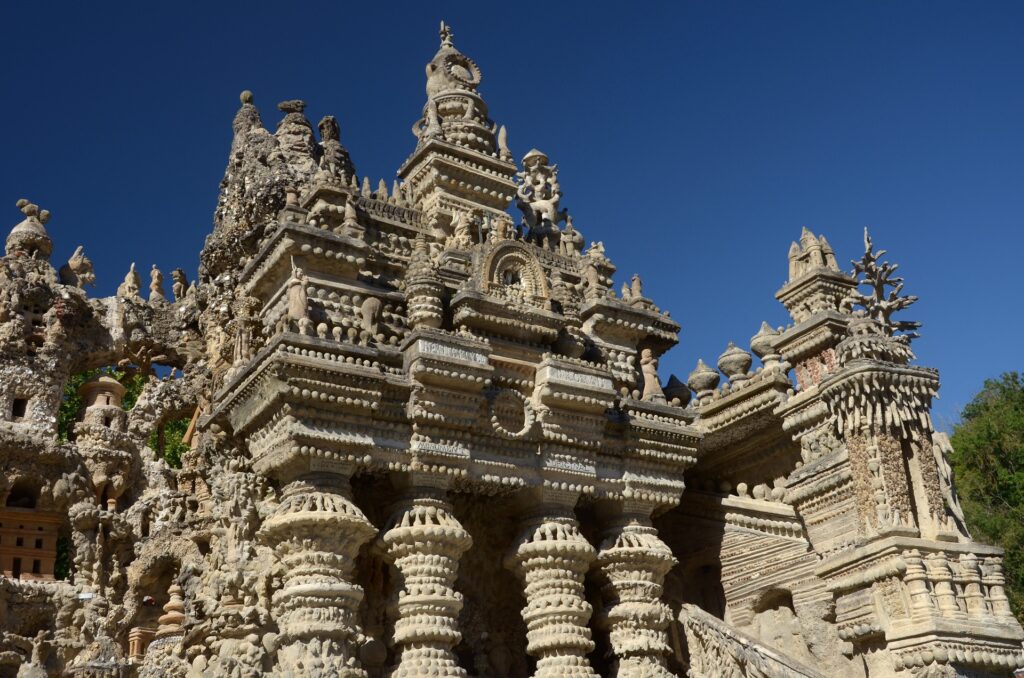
x=512 y=265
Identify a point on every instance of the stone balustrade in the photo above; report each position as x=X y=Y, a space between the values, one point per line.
x=959 y=586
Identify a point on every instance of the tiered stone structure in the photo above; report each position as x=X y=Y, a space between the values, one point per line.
x=430 y=439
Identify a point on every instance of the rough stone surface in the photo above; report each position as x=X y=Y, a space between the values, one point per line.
x=427 y=438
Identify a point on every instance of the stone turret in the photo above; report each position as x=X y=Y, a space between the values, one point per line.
x=814 y=296
x=103 y=397
x=815 y=282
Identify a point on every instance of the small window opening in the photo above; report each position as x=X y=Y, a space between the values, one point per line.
x=16 y=569
x=39 y=543
x=19 y=408
x=37 y=567
x=20 y=541
x=107 y=421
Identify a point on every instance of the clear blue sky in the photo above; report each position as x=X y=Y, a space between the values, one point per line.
x=694 y=138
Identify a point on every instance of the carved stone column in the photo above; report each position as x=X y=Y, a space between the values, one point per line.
x=942 y=583
x=425 y=542
x=552 y=557
x=921 y=602
x=317 y=531
x=994 y=579
x=973 y=596
x=633 y=562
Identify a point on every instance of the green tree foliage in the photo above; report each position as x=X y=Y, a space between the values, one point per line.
x=167 y=441
x=71 y=404
x=62 y=565
x=989 y=466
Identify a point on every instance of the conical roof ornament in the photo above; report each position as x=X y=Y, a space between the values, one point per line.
x=703 y=379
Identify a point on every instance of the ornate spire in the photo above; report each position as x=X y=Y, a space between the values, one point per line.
x=454 y=111
x=457 y=153
x=815 y=285
x=812 y=252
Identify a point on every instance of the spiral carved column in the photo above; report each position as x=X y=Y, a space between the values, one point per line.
x=633 y=562
x=425 y=541
x=552 y=558
x=317 y=531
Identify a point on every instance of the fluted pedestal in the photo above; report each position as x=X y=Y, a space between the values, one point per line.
x=633 y=562
x=425 y=542
x=552 y=557
x=317 y=531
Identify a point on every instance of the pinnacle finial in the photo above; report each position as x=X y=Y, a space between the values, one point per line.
x=245 y=97
x=447 y=36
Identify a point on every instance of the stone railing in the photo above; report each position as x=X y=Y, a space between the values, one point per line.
x=956 y=585
x=716 y=649
x=931 y=602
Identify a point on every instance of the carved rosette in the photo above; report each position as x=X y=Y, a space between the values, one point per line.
x=317 y=531
x=425 y=541
x=633 y=562
x=552 y=557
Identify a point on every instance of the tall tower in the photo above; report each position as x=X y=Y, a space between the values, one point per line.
x=461 y=162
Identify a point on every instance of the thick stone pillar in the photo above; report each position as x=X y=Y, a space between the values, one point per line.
x=424 y=541
x=552 y=558
x=317 y=531
x=633 y=562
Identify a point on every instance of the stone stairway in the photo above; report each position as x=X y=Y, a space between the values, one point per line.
x=718 y=651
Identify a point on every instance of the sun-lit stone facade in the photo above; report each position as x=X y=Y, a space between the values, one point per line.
x=429 y=438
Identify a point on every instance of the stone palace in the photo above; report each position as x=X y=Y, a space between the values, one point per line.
x=428 y=438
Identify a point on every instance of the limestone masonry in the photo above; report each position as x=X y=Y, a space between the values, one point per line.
x=428 y=438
